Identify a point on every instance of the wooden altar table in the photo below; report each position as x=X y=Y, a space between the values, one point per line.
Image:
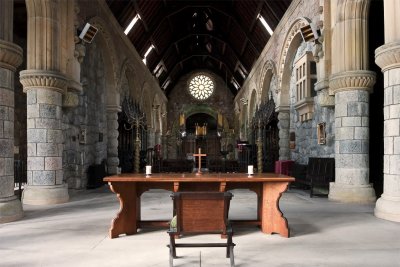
x=129 y=187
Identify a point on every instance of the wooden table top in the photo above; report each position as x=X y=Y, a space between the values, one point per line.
x=205 y=177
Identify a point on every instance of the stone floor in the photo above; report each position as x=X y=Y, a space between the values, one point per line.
x=323 y=233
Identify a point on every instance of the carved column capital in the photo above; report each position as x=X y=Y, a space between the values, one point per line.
x=10 y=55
x=44 y=79
x=387 y=56
x=352 y=80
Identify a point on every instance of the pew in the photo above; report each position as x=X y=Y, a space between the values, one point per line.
x=320 y=172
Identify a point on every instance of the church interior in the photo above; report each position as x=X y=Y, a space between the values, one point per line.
x=308 y=89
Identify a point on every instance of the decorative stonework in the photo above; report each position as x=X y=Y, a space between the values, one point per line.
x=352 y=80
x=10 y=55
x=43 y=79
x=269 y=65
x=388 y=56
x=294 y=30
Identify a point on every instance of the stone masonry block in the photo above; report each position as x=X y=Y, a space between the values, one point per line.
x=360 y=160
x=60 y=149
x=30 y=123
x=6 y=186
x=43 y=177
x=32 y=111
x=35 y=163
x=36 y=135
x=53 y=163
x=363 y=96
x=6 y=148
x=396 y=94
x=352 y=176
x=8 y=131
x=29 y=177
x=395 y=111
x=391 y=127
x=350 y=147
x=48 y=123
x=349 y=96
x=6 y=98
x=47 y=149
x=1 y=129
x=388 y=145
x=361 y=133
x=49 y=97
x=388 y=96
x=9 y=166
x=2 y=166
x=386 y=164
x=31 y=149
x=59 y=176
x=48 y=111
x=31 y=97
x=345 y=133
x=396 y=146
x=358 y=109
x=343 y=160
x=338 y=122
x=351 y=121
x=395 y=164
x=365 y=146
x=365 y=121
x=341 y=110
x=386 y=112
x=392 y=185
x=11 y=112
x=55 y=136
x=3 y=113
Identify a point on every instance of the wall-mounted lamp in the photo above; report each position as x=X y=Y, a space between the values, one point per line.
x=88 y=33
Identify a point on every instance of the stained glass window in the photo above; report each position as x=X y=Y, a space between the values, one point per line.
x=201 y=87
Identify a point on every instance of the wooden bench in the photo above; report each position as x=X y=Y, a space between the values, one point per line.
x=201 y=213
x=320 y=172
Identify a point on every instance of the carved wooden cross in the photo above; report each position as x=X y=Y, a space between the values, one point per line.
x=199 y=155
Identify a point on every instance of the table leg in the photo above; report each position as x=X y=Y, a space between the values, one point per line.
x=272 y=219
x=125 y=221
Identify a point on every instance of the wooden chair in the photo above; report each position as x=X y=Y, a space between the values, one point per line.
x=201 y=213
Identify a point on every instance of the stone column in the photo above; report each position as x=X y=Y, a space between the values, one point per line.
x=112 y=138
x=44 y=84
x=388 y=58
x=351 y=83
x=283 y=125
x=10 y=59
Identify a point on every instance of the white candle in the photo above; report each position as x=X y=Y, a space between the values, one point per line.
x=250 y=169
x=148 y=169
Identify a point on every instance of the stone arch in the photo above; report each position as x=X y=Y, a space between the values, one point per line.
x=110 y=60
x=268 y=71
x=292 y=42
x=200 y=109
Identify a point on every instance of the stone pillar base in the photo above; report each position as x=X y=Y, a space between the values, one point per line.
x=352 y=193
x=10 y=209
x=45 y=195
x=388 y=208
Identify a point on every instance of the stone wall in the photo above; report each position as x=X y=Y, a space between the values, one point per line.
x=88 y=118
x=306 y=144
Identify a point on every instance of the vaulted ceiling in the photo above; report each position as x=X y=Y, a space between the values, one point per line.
x=223 y=36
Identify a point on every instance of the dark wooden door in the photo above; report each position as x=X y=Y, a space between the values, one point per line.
x=125 y=144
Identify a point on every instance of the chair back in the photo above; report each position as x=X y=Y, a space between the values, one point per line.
x=201 y=212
